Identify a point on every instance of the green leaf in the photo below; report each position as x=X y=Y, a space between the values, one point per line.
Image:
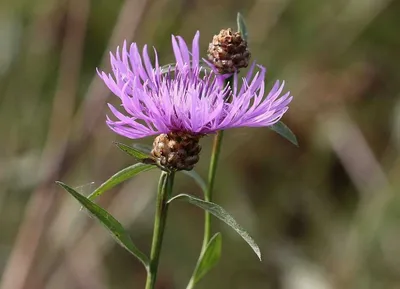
x=284 y=131
x=208 y=259
x=135 y=152
x=241 y=25
x=110 y=223
x=221 y=214
x=196 y=177
x=119 y=177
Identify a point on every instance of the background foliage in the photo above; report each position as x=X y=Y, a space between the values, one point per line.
x=326 y=215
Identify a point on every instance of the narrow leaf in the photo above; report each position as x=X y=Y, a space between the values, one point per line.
x=208 y=259
x=284 y=131
x=109 y=222
x=241 y=25
x=221 y=214
x=134 y=152
x=119 y=177
x=196 y=177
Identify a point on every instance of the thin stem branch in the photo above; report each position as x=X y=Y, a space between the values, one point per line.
x=211 y=178
x=208 y=197
x=164 y=192
x=209 y=192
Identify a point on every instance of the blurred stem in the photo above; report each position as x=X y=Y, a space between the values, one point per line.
x=164 y=192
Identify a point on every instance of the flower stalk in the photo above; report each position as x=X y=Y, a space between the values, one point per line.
x=216 y=149
x=164 y=192
x=211 y=179
x=208 y=197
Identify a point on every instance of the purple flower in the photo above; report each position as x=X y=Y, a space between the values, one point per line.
x=187 y=97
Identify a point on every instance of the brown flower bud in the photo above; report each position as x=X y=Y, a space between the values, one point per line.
x=228 y=51
x=176 y=150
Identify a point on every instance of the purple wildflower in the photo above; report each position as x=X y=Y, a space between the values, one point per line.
x=187 y=98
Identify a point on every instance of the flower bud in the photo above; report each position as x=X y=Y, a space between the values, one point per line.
x=176 y=151
x=228 y=51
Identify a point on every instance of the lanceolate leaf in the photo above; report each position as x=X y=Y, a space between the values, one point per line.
x=242 y=26
x=284 y=131
x=119 y=177
x=208 y=259
x=196 y=177
x=135 y=152
x=221 y=214
x=110 y=223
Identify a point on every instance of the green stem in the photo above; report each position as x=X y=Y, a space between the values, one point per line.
x=211 y=179
x=164 y=192
x=209 y=192
x=208 y=197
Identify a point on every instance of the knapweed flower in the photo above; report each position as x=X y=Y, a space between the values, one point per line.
x=185 y=101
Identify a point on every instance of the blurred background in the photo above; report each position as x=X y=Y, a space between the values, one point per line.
x=326 y=215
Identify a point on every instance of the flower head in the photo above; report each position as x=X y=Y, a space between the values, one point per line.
x=187 y=97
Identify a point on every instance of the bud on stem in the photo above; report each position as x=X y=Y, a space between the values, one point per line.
x=176 y=151
x=228 y=51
